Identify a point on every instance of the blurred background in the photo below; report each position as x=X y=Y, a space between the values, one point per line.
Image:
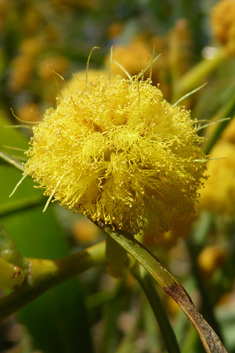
x=37 y=38
x=44 y=47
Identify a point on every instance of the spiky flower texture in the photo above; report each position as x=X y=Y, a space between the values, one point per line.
x=120 y=154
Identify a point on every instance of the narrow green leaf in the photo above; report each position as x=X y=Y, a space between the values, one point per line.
x=227 y=111
x=195 y=243
x=151 y=293
x=11 y=160
x=171 y=286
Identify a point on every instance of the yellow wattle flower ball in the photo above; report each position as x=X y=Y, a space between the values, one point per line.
x=120 y=154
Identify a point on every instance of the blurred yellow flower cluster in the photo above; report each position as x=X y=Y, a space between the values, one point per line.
x=174 y=56
x=24 y=63
x=119 y=154
x=219 y=193
x=223 y=24
x=211 y=258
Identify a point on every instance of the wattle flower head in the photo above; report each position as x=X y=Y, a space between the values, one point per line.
x=120 y=154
